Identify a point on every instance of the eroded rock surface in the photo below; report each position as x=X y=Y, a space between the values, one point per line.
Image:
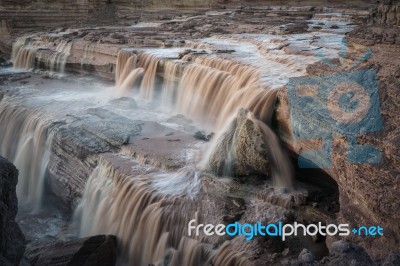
x=368 y=192
x=387 y=12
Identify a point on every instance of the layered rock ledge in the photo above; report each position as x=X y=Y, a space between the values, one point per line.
x=367 y=193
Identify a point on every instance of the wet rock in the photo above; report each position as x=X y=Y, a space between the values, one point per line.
x=124 y=103
x=4 y=62
x=12 y=244
x=91 y=251
x=203 y=135
x=186 y=123
x=241 y=150
x=111 y=127
x=75 y=146
x=180 y=119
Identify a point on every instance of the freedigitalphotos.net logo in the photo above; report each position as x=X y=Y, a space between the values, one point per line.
x=343 y=104
x=249 y=231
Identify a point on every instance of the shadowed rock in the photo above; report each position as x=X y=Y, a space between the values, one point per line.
x=11 y=239
x=95 y=250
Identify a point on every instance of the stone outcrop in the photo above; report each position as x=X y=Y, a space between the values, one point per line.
x=365 y=198
x=241 y=150
x=12 y=244
x=368 y=192
x=90 y=251
x=387 y=12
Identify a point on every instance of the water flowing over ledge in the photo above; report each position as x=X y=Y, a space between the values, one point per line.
x=28 y=131
x=214 y=82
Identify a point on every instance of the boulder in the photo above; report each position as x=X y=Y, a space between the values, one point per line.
x=90 y=251
x=241 y=150
x=12 y=241
x=201 y=135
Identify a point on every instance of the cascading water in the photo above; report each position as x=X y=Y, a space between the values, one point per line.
x=26 y=55
x=58 y=59
x=26 y=142
x=136 y=69
x=147 y=222
x=147 y=212
x=170 y=81
x=211 y=90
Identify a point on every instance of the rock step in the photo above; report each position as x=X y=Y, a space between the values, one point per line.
x=90 y=251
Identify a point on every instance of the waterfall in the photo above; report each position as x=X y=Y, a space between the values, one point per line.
x=150 y=225
x=26 y=142
x=210 y=90
x=171 y=79
x=25 y=52
x=136 y=69
x=58 y=59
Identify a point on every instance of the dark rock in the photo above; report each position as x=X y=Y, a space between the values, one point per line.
x=12 y=244
x=203 y=135
x=91 y=251
x=392 y=260
x=229 y=219
x=294 y=28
